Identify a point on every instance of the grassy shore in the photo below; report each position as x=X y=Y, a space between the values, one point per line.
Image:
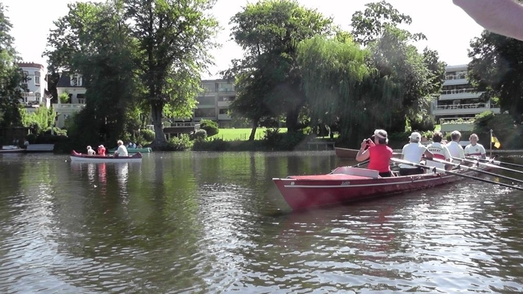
x=241 y=134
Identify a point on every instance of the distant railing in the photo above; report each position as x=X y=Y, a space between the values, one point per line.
x=463 y=106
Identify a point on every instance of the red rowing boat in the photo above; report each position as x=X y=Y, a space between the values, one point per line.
x=346 y=184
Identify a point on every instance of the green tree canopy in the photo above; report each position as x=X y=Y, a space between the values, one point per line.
x=268 y=78
x=11 y=77
x=497 y=69
x=135 y=54
x=402 y=81
x=93 y=40
x=173 y=38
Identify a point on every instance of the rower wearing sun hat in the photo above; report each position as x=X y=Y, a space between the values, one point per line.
x=413 y=152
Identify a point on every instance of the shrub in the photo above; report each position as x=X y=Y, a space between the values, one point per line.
x=211 y=145
x=199 y=135
x=178 y=143
x=211 y=127
x=147 y=135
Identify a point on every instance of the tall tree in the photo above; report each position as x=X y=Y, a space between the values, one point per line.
x=497 y=69
x=93 y=40
x=401 y=88
x=269 y=32
x=173 y=37
x=11 y=77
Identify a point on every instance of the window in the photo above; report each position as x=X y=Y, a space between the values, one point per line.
x=206 y=100
x=26 y=77
x=37 y=96
x=209 y=87
x=81 y=98
x=224 y=111
x=37 y=78
x=76 y=80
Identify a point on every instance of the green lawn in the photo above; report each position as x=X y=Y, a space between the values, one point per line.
x=241 y=134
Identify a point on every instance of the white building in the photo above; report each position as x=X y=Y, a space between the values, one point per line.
x=458 y=98
x=37 y=93
x=73 y=86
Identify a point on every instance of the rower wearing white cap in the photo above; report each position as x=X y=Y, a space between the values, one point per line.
x=412 y=152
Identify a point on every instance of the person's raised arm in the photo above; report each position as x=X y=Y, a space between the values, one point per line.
x=504 y=17
x=363 y=153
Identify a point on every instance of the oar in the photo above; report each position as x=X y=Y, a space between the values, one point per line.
x=510 y=164
x=456 y=174
x=479 y=171
x=361 y=163
x=488 y=164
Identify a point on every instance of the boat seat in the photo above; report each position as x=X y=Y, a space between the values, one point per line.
x=354 y=171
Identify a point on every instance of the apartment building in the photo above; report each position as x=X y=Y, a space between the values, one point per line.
x=458 y=98
x=213 y=103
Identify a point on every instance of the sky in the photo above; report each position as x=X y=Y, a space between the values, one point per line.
x=447 y=27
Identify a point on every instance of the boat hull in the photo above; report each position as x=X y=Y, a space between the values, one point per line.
x=310 y=191
x=78 y=157
x=17 y=150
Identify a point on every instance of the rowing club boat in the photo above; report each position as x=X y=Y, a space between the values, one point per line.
x=79 y=157
x=346 y=184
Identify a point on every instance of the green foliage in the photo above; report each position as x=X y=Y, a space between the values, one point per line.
x=200 y=135
x=147 y=135
x=40 y=121
x=63 y=97
x=276 y=141
x=370 y=24
x=503 y=127
x=174 y=38
x=11 y=77
x=211 y=127
x=497 y=69
x=178 y=143
x=268 y=79
x=135 y=56
x=333 y=73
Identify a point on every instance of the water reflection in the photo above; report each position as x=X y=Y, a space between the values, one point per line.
x=194 y=222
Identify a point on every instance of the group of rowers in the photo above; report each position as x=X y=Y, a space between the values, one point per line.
x=379 y=154
x=121 y=151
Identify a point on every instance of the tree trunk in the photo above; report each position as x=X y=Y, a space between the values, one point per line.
x=159 y=136
x=253 y=130
x=292 y=121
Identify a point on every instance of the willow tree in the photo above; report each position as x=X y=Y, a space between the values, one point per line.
x=174 y=38
x=401 y=86
x=10 y=76
x=269 y=32
x=334 y=72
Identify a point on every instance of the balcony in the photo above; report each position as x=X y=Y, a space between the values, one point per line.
x=224 y=103
x=68 y=108
x=460 y=95
x=455 y=82
x=464 y=109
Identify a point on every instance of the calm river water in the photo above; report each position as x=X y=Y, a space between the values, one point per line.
x=189 y=222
